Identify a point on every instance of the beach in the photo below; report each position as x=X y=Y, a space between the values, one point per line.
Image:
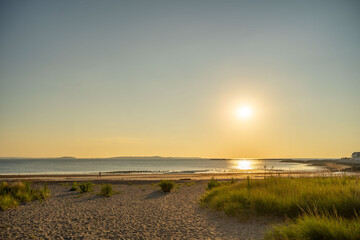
x=180 y=120
x=139 y=210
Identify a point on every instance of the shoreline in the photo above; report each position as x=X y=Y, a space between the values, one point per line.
x=330 y=167
x=158 y=177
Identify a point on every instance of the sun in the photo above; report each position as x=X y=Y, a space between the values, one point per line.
x=244 y=112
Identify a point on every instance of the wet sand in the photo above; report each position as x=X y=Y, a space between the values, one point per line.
x=140 y=177
x=138 y=211
x=174 y=177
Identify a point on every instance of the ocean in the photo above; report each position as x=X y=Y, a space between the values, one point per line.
x=147 y=165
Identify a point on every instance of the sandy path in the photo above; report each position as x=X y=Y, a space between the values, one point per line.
x=139 y=211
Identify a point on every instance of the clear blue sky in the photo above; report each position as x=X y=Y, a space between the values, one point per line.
x=114 y=78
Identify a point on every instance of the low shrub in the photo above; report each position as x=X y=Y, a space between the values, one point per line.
x=85 y=187
x=166 y=185
x=74 y=186
x=106 y=190
x=213 y=183
x=23 y=196
x=14 y=193
x=44 y=192
x=8 y=201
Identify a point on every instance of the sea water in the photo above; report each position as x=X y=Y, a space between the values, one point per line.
x=144 y=165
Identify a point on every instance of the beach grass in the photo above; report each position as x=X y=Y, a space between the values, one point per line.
x=44 y=192
x=85 y=187
x=166 y=185
x=74 y=186
x=11 y=194
x=316 y=226
x=106 y=190
x=314 y=208
x=8 y=201
x=286 y=197
x=212 y=183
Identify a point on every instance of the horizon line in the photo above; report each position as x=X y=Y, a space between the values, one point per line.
x=156 y=156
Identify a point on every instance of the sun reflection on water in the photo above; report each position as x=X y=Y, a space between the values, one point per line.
x=243 y=165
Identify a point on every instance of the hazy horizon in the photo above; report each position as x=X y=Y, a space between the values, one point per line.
x=229 y=79
x=156 y=156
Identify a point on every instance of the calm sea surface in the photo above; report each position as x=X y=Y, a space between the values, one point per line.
x=143 y=165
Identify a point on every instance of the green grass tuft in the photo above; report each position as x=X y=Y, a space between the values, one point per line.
x=166 y=185
x=13 y=194
x=85 y=187
x=44 y=192
x=8 y=201
x=106 y=190
x=74 y=186
x=213 y=183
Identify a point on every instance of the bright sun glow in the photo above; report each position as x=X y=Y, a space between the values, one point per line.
x=244 y=112
x=243 y=165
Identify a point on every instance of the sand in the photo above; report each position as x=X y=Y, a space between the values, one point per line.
x=138 y=211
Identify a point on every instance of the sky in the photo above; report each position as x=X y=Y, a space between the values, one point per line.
x=91 y=78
